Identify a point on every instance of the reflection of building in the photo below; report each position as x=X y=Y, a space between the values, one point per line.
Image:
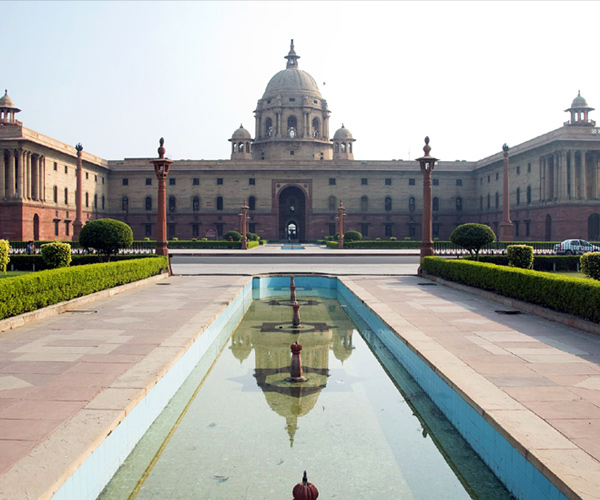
x=293 y=173
x=271 y=343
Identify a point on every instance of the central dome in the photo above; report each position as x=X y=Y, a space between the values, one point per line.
x=292 y=79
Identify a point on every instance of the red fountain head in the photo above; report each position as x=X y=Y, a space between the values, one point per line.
x=296 y=348
x=305 y=490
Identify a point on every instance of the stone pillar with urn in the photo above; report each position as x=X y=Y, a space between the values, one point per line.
x=427 y=164
x=78 y=222
x=161 y=169
x=340 y=219
x=506 y=226
x=244 y=214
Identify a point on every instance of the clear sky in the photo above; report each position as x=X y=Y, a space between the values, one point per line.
x=116 y=76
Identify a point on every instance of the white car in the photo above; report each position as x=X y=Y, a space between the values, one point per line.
x=575 y=247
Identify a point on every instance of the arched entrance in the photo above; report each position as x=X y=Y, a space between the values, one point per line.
x=36 y=227
x=292 y=214
x=548 y=228
x=594 y=227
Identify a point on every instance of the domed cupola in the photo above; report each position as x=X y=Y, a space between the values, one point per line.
x=8 y=110
x=342 y=144
x=241 y=144
x=292 y=118
x=579 y=113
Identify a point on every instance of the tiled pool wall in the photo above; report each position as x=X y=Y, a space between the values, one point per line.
x=519 y=476
x=88 y=481
x=522 y=478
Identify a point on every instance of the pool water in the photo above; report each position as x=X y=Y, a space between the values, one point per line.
x=360 y=426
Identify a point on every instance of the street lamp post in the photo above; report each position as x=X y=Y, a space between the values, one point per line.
x=427 y=164
x=506 y=226
x=161 y=169
x=244 y=213
x=340 y=218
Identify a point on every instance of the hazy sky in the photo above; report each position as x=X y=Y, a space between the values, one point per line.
x=116 y=76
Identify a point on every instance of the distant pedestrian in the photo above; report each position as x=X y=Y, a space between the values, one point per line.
x=30 y=249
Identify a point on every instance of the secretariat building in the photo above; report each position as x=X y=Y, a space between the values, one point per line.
x=292 y=171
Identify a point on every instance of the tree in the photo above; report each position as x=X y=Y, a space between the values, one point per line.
x=4 y=255
x=473 y=237
x=106 y=236
x=234 y=235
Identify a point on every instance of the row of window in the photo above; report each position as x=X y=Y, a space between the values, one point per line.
x=195 y=181
x=87 y=174
x=498 y=173
x=172 y=203
x=87 y=198
x=387 y=203
x=497 y=198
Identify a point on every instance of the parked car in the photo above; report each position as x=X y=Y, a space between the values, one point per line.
x=575 y=247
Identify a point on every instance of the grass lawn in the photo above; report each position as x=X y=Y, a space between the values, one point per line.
x=572 y=274
x=10 y=274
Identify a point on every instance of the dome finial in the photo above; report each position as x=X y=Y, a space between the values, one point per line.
x=292 y=57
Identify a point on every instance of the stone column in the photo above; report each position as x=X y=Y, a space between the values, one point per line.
x=2 y=173
x=19 y=173
x=340 y=218
x=42 y=184
x=35 y=177
x=245 y=208
x=78 y=222
x=506 y=226
x=10 y=188
x=583 y=179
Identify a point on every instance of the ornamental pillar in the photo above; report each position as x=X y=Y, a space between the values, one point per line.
x=161 y=169
x=2 y=173
x=340 y=221
x=506 y=226
x=427 y=164
x=78 y=222
x=19 y=173
x=244 y=213
x=11 y=165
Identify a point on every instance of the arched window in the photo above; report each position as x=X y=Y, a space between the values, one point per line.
x=219 y=203
x=343 y=147
x=528 y=194
x=55 y=194
x=364 y=204
x=269 y=127
x=196 y=204
x=497 y=199
x=248 y=147
x=436 y=204
x=315 y=128
x=252 y=203
x=411 y=204
x=87 y=200
x=458 y=203
x=241 y=147
x=235 y=147
x=388 y=204
x=95 y=201
x=125 y=203
x=66 y=196
x=518 y=196
x=103 y=202
x=148 y=202
x=332 y=203
x=172 y=203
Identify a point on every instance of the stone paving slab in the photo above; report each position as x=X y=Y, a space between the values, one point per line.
x=536 y=381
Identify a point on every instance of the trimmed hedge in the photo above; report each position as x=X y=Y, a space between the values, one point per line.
x=56 y=254
x=577 y=296
x=27 y=262
x=549 y=263
x=590 y=265
x=520 y=256
x=30 y=292
x=204 y=244
x=384 y=245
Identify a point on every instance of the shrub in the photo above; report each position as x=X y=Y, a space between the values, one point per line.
x=352 y=236
x=106 y=236
x=4 y=255
x=472 y=237
x=33 y=291
x=146 y=238
x=590 y=265
x=520 y=256
x=392 y=238
x=234 y=235
x=252 y=236
x=56 y=254
x=175 y=238
x=377 y=239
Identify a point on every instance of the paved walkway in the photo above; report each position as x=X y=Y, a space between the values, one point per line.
x=67 y=380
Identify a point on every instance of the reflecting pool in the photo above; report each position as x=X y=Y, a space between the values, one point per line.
x=360 y=426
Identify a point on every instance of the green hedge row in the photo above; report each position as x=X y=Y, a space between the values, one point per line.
x=383 y=244
x=577 y=296
x=549 y=263
x=30 y=292
x=36 y=262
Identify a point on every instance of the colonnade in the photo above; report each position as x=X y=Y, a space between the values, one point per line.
x=569 y=175
x=22 y=175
